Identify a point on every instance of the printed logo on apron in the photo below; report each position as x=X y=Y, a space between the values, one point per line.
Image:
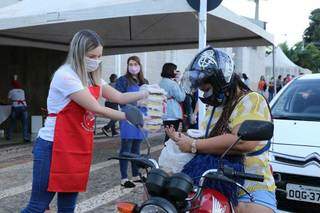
x=88 y=121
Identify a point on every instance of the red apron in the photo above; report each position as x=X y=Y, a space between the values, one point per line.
x=72 y=148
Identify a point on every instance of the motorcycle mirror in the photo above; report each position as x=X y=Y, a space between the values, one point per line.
x=254 y=130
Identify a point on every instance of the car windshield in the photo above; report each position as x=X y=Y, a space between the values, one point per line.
x=299 y=101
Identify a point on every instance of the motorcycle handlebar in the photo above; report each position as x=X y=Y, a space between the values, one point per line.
x=229 y=172
x=249 y=176
x=215 y=174
x=140 y=161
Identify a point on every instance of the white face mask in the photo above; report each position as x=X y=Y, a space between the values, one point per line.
x=91 y=64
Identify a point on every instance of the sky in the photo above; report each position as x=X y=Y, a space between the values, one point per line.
x=286 y=19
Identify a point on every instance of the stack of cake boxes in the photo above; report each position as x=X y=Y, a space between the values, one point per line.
x=155 y=107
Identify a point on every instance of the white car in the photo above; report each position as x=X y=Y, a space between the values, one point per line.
x=295 y=149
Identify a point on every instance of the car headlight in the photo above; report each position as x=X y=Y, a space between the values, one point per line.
x=157 y=205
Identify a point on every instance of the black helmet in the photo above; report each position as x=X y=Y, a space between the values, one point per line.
x=209 y=66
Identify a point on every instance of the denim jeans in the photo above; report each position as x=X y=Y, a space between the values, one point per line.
x=131 y=146
x=270 y=96
x=40 y=197
x=22 y=114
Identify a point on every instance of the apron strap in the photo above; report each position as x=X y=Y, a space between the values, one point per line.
x=260 y=151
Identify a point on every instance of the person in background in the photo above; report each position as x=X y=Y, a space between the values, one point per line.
x=245 y=79
x=131 y=136
x=19 y=110
x=191 y=108
x=287 y=79
x=64 y=147
x=175 y=96
x=279 y=83
x=271 y=89
x=178 y=76
x=262 y=86
x=112 y=123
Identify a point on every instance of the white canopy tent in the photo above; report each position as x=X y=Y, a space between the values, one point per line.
x=283 y=65
x=125 y=25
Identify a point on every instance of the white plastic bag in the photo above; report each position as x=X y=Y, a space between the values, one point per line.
x=195 y=133
x=171 y=159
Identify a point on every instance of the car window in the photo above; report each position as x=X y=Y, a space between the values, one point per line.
x=300 y=100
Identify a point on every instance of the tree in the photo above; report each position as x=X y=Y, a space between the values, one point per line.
x=312 y=33
x=306 y=53
x=285 y=48
x=305 y=56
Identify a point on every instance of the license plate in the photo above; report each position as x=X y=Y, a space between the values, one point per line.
x=303 y=193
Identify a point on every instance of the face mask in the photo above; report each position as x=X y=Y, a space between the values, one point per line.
x=134 y=69
x=92 y=64
x=212 y=99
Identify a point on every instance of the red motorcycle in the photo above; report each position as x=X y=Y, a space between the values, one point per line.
x=176 y=193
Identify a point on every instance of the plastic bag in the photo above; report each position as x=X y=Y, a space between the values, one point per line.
x=171 y=159
x=195 y=133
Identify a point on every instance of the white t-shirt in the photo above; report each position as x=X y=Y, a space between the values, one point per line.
x=17 y=95
x=65 y=82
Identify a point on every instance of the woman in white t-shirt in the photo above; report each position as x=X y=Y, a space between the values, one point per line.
x=18 y=111
x=63 y=149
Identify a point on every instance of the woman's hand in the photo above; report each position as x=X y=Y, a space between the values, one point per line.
x=182 y=141
x=172 y=134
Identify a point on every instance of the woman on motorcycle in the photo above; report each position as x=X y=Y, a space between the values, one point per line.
x=230 y=102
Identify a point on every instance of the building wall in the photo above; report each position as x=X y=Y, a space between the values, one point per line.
x=251 y=61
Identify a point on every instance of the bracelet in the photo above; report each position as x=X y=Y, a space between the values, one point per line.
x=194 y=147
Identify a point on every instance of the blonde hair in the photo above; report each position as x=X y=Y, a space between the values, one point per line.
x=81 y=43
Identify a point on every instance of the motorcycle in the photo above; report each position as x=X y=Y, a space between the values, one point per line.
x=176 y=193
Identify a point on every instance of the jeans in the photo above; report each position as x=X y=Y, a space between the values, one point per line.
x=270 y=96
x=129 y=146
x=40 y=197
x=22 y=114
x=261 y=197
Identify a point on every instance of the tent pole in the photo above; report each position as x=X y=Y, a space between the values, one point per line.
x=273 y=70
x=202 y=44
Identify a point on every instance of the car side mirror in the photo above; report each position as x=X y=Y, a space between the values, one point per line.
x=254 y=130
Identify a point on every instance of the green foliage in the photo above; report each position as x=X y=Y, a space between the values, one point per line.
x=305 y=56
x=306 y=53
x=312 y=33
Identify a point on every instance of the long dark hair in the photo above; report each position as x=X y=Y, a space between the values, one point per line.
x=168 y=70
x=130 y=77
x=232 y=98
